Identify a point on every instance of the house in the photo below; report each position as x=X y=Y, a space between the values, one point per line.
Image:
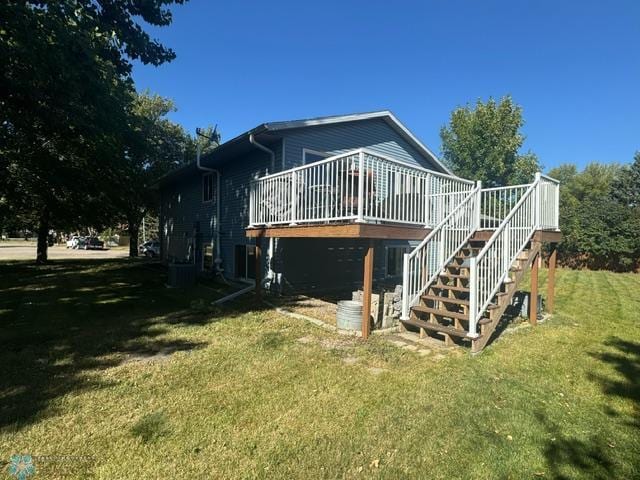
x=318 y=196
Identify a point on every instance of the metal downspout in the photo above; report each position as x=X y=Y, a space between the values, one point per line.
x=218 y=259
x=254 y=142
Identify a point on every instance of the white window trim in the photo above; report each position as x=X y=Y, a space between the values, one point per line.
x=204 y=176
x=312 y=152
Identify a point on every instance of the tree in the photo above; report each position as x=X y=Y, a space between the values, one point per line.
x=625 y=191
x=599 y=230
x=65 y=92
x=483 y=143
x=626 y=188
x=155 y=147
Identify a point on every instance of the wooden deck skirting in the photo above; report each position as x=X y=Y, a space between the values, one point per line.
x=345 y=230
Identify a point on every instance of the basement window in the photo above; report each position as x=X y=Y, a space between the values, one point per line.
x=245 y=262
x=395 y=259
x=207 y=258
x=207 y=187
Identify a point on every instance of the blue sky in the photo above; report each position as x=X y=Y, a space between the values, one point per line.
x=574 y=66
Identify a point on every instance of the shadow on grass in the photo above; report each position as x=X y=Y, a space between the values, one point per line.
x=592 y=457
x=64 y=321
x=624 y=357
x=567 y=456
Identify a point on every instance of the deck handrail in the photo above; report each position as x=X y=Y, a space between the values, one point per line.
x=370 y=152
x=333 y=189
x=426 y=261
x=536 y=209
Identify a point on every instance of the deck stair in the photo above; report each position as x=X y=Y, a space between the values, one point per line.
x=443 y=311
x=462 y=277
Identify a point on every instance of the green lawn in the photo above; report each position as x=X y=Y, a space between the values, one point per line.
x=112 y=375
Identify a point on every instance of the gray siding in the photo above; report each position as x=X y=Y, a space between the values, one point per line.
x=185 y=218
x=234 y=205
x=374 y=134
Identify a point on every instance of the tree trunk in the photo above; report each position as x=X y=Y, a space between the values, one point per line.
x=133 y=239
x=43 y=237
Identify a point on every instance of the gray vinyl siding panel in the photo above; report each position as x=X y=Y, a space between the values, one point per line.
x=234 y=204
x=374 y=134
x=184 y=217
x=183 y=211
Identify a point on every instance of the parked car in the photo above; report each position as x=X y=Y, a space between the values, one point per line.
x=92 y=243
x=73 y=241
x=150 y=248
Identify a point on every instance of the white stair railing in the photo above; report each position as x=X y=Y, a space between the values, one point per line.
x=497 y=202
x=536 y=208
x=423 y=265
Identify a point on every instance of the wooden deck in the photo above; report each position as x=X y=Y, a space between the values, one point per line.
x=344 y=230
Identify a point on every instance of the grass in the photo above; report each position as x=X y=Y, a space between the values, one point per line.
x=106 y=374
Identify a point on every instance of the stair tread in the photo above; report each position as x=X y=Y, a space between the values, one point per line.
x=457 y=301
x=441 y=313
x=450 y=287
x=454 y=275
x=434 y=327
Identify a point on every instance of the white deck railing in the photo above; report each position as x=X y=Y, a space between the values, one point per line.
x=423 y=265
x=536 y=209
x=361 y=186
x=496 y=203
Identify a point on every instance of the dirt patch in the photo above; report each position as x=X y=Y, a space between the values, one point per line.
x=323 y=309
x=327 y=343
x=307 y=340
x=350 y=360
x=376 y=370
x=424 y=347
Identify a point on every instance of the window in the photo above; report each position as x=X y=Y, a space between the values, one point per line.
x=207 y=258
x=245 y=261
x=310 y=156
x=207 y=187
x=395 y=259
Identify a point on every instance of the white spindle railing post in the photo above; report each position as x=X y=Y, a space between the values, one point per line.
x=405 y=287
x=556 y=207
x=427 y=206
x=506 y=248
x=478 y=204
x=294 y=197
x=537 y=201
x=443 y=237
x=360 y=187
x=252 y=195
x=473 y=297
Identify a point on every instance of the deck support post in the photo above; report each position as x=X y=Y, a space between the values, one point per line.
x=258 y=256
x=533 y=298
x=366 y=289
x=551 y=278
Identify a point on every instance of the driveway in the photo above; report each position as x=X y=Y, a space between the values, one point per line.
x=19 y=250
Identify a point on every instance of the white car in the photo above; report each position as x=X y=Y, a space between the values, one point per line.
x=73 y=242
